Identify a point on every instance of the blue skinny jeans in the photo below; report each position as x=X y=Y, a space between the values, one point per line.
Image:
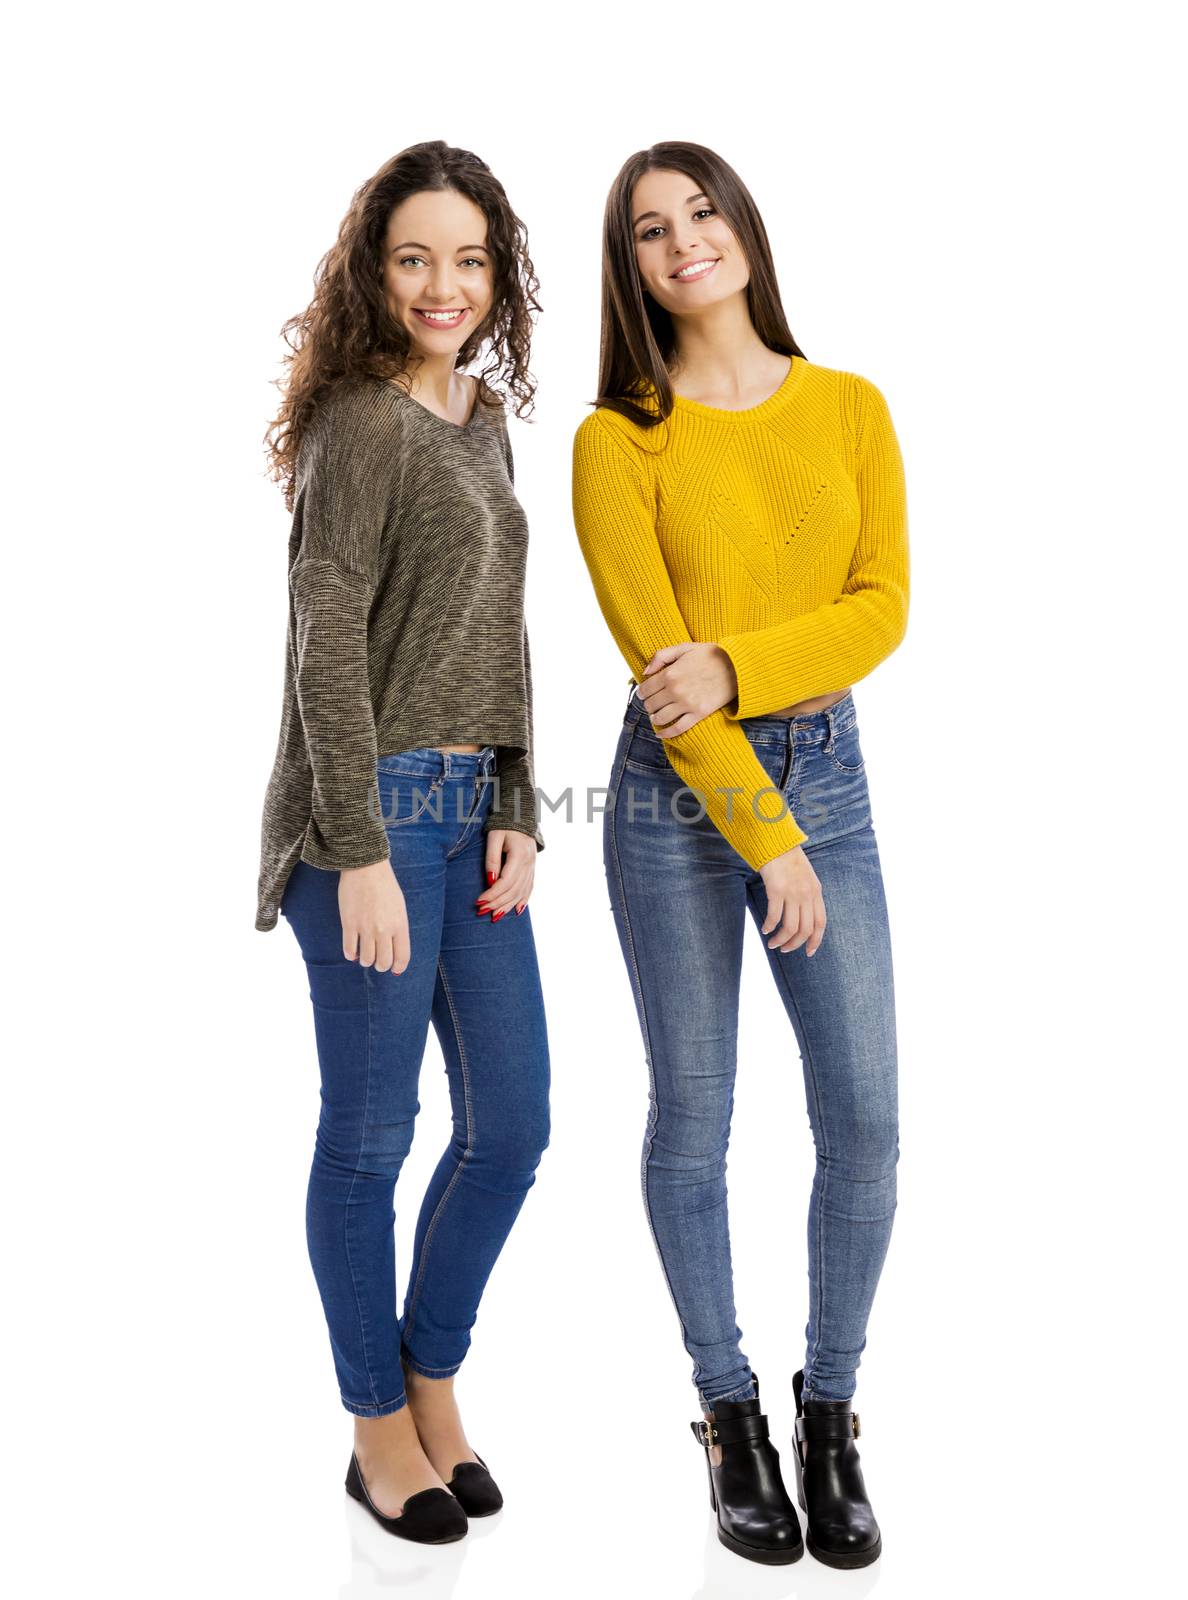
x=679 y=894
x=479 y=985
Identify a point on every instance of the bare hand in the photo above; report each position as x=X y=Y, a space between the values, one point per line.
x=685 y=682
x=374 y=918
x=795 y=904
x=511 y=856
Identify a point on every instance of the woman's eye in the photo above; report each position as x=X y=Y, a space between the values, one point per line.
x=704 y=211
x=475 y=260
x=404 y=260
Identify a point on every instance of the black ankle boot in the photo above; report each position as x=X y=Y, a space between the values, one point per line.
x=756 y=1517
x=842 y=1531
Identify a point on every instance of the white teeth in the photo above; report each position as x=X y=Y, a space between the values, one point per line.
x=694 y=271
x=442 y=316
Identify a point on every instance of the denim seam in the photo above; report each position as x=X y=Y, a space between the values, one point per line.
x=836 y=728
x=653 y=1116
x=782 y=978
x=346 y=1222
x=744 y=1392
x=430 y=1372
x=648 y=768
x=472 y=814
x=380 y=1408
x=465 y=1156
x=426 y=805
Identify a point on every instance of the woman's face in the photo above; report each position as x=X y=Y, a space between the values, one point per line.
x=675 y=228
x=436 y=260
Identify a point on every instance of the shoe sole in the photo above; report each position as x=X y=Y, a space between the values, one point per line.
x=858 y=1558
x=752 y=1552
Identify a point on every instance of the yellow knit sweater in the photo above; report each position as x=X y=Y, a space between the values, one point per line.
x=779 y=533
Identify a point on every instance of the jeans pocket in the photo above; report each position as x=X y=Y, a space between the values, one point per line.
x=844 y=749
x=645 y=751
x=406 y=796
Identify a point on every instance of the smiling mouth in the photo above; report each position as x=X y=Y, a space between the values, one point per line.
x=445 y=319
x=695 y=269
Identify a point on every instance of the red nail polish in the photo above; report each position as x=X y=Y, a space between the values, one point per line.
x=520 y=910
x=491 y=876
x=497 y=916
x=482 y=910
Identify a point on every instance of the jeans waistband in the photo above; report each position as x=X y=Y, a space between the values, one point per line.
x=442 y=763
x=806 y=727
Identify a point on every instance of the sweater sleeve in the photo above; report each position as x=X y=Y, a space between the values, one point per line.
x=614 y=514
x=339 y=514
x=836 y=644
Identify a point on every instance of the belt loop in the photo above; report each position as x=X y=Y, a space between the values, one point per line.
x=829 y=714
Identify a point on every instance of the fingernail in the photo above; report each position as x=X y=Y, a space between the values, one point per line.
x=520 y=910
x=482 y=910
x=491 y=876
x=497 y=916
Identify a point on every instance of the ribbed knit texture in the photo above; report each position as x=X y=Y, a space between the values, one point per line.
x=406 y=568
x=778 y=532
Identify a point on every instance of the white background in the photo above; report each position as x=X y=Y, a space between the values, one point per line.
x=975 y=207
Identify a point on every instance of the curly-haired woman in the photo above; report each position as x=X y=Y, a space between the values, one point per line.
x=401 y=810
x=743 y=516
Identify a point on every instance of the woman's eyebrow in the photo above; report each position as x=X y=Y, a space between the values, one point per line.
x=415 y=244
x=688 y=202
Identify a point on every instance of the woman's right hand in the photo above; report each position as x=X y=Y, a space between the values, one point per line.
x=795 y=904
x=374 y=917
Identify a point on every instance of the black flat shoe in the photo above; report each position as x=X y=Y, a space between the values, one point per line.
x=431 y=1516
x=842 y=1531
x=756 y=1517
x=475 y=1489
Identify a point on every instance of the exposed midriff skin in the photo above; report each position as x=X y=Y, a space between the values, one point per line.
x=798 y=708
x=817 y=703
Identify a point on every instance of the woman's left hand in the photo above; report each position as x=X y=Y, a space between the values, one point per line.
x=685 y=682
x=511 y=857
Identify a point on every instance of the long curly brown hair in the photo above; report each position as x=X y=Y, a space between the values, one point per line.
x=638 y=338
x=347 y=332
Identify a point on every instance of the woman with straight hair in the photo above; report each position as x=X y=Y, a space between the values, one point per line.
x=742 y=513
x=399 y=835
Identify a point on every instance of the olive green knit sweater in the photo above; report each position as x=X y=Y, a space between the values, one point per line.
x=406 y=567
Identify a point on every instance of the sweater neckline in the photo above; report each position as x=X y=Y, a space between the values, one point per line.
x=454 y=427
x=788 y=386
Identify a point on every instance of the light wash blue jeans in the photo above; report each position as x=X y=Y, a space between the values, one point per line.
x=680 y=893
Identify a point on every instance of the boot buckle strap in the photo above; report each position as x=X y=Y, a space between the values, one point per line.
x=731 y=1430
x=823 y=1425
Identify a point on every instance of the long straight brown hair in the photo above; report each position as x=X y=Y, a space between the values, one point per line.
x=638 y=339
